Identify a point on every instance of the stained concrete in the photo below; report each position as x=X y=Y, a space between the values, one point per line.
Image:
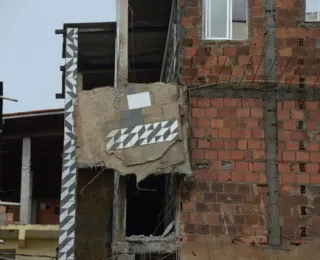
x=96 y=114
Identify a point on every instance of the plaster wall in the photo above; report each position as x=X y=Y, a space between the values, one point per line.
x=99 y=112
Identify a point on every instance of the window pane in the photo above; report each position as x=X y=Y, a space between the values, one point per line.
x=312 y=11
x=239 y=20
x=217 y=12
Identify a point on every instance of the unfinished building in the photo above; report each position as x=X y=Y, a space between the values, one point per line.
x=250 y=96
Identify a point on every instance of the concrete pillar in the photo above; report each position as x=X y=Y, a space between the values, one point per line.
x=26 y=183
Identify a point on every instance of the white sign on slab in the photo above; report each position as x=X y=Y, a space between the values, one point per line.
x=139 y=100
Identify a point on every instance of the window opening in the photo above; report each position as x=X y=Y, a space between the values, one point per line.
x=301 y=104
x=312 y=11
x=300 y=125
x=301 y=42
x=303 y=210
x=226 y=19
x=301 y=62
x=302 y=167
x=302 y=189
x=302 y=146
x=151 y=205
x=303 y=231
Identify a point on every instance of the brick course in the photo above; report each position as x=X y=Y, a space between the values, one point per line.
x=296 y=43
x=228 y=134
x=228 y=158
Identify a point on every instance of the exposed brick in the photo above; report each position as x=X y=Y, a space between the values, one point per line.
x=211 y=155
x=238 y=176
x=203 y=123
x=195 y=218
x=242 y=166
x=243 y=112
x=225 y=133
x=315 y=179
x=303 y=178
x=254 y=144
x=202 y=207
x=256 y=112
x=284 y=167
x=288 y=178
x=227 y=112
x=211 y=112
x=292 y=146
x=198 y=112
x=217 y=144
x=204 y=144
x=237 y=155
x=257 y=134
x=204 y=102
x=302 y=156
x=212 y=219
x=217 y=123
x=217 y=102
x=197 y=154
x=289 y=156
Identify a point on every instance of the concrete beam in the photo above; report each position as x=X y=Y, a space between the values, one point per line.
x=22 y=238
x=145 y=247
x=121 y=58
x=26 y=183
x=267 y=91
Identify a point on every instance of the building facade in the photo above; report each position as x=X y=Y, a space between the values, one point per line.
x=248 y=79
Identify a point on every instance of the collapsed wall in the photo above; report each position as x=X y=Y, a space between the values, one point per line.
x=135 y=132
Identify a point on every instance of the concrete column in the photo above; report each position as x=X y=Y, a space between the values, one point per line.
x=26 y=183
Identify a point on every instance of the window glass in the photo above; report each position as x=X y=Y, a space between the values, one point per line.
x=239 y=20
x=312 y=13
x=226 y=19
x=218 y=12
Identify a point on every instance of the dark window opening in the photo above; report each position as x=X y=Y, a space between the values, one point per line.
x=301 y=62
x=300 y=125
x=302 y=146
x=303 y=231
x=302 y=189
x=301 y=104
x=301 y=42
x=301 y=79
x=302 y=167
x=303 y=210
x=150 y=205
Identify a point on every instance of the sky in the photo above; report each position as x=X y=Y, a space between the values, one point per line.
x=312 y=5
x=31 y=52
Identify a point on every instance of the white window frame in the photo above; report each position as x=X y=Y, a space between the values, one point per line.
x=207 y=21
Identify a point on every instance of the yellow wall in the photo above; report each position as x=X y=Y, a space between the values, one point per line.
x=33 y=247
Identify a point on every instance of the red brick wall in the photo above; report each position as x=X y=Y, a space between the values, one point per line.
x=290 y=37
x=228 y=158
x=203 y=61
x=228 y=133
x=298 y=165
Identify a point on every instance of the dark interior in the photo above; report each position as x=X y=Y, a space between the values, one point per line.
x=146 y=206
x=148 y=27
x=46 y=134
